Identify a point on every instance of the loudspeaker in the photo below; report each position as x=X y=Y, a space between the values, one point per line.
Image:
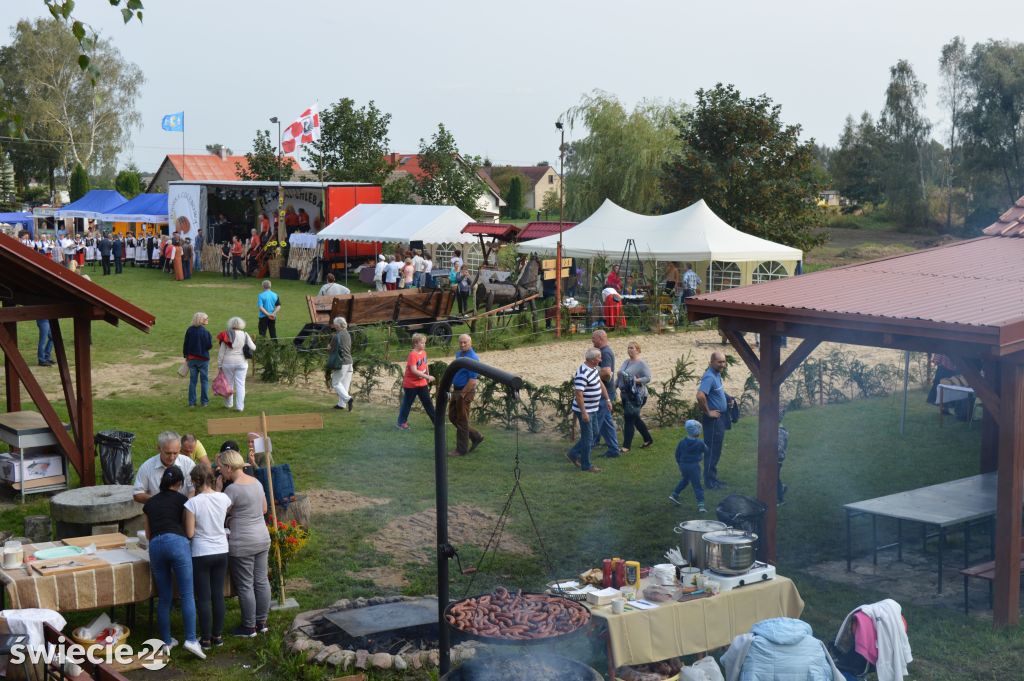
x=289 y=273
x=416 y=246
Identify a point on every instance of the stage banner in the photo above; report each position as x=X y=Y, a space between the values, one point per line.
x=185 y=209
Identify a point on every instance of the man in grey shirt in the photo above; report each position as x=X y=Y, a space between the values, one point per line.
x=147 y=481
x=333 y=288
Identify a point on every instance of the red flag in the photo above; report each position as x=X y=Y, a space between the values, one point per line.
x=303 y=131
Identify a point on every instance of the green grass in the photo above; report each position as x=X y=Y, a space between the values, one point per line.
x=837 y=454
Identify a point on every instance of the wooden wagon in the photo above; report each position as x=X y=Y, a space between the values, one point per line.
x=427 y=310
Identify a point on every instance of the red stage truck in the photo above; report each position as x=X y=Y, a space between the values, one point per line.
x=340 y=200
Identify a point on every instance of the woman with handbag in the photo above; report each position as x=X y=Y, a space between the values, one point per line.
x=236 y=349
x=634 y=375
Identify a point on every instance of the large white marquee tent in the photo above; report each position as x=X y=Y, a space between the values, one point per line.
x=721 y=254
x=399 y=223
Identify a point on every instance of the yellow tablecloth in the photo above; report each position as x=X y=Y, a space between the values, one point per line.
x=673 y=629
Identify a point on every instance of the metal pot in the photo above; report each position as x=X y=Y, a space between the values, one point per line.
x=729 y=552
x=692 y=531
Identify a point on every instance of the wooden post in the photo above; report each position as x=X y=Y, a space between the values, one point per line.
x=768 y=443
x=1006 y=598
x=83 y=377
x=988 y=459
x=65 y=374
x=12 y=385
x=273 y=503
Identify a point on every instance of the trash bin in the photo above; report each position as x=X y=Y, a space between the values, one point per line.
x=742 y=512
x=115 y=451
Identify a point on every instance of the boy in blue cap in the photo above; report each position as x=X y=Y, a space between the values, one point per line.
x=689 y=453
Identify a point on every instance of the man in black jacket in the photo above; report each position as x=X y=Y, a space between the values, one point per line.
x=105 y=247
x=118 y=252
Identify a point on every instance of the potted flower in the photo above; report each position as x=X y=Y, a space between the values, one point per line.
x=289 y=539
x=275 y=251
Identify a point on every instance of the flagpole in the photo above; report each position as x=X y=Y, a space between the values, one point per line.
x=182 y=150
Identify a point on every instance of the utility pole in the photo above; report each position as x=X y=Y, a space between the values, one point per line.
x=282 y=234
x=561 y=213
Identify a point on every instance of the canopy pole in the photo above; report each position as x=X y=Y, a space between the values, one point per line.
x=906 y=384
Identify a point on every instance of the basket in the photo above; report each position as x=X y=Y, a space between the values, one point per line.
x=87 y=644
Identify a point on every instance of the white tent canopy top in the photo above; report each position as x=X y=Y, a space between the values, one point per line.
x=694 y=233
x=400 y=223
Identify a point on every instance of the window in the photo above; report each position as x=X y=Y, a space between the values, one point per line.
x=551 y=179
x=769 y=270
x=723 y=275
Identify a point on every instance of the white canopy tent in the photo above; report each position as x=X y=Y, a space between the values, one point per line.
x=694 y=233
x=400 y=223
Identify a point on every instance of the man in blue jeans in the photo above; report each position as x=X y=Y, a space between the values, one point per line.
x=604 y=423
x=589 y=392
x=713 y=402
x=45 y=343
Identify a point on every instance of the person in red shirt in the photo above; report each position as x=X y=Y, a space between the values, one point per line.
x=614 y=280
x=415 y=382
x=236 y=257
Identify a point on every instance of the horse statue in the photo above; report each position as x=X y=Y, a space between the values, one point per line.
x=491 y=293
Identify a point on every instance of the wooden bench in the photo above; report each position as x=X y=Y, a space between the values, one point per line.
x=987 y=572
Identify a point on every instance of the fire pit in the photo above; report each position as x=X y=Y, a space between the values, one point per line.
x=393 y=632
x=535 y=666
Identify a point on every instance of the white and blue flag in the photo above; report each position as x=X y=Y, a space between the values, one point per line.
x=174 y=122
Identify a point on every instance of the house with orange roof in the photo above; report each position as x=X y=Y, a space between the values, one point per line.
x=202 y=167
x=490 y=202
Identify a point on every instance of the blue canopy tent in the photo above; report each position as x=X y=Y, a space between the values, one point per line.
x=151 y=208
x=92 y=206
x=20 y=219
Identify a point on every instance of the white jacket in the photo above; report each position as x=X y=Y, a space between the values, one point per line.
x=893 y=644
x=231 y=355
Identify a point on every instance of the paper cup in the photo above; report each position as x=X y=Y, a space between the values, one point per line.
x=618 y=606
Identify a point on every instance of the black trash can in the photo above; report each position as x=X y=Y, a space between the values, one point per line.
x=742 y=512
x=115 y=452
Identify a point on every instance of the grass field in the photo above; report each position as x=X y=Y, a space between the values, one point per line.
x=837 y=454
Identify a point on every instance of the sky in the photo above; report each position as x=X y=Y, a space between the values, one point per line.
x=498 y=75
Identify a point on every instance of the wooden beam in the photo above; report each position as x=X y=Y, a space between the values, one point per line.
x=744 y=351
x=988 y=459
x=38 y=395
x=28 y=313
x=796 y=358
x=83 y=377
x=768 y=443
x=12 y=385
x=65 y=374
x=1006 y=599
x=989 y=396
x=253 y=424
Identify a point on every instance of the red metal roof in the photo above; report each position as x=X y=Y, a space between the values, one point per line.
x=536 y=230
x=977 y=283
x=500 y=231
x=1010 y=223
x=25 y=271
x=212 y=166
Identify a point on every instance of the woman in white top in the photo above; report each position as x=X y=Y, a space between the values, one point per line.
x=232 y=360
x=205 y=515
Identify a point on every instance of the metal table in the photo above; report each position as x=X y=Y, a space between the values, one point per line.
x=28 y=430
x=949 y=506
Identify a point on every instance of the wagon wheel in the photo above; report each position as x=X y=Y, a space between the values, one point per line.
x=441 y=332
x=359 y=339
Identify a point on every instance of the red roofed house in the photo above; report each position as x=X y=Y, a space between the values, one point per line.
x=489 y=204
x=540 y=179
x=201 y=167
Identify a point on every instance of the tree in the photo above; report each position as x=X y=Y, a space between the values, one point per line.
x=514 y=197
x=552 y=203
x=263 y=162
x=402 y=189
x=449 y=178
x=218 y=149
x=855 y=163
x=955 y=95
x=749 y=167
x=906 y=132
x=78 y=186
x=129 y=182
x=622 y=156
x=84 y=119
x=8 y=187
x=353 y=144
x=994 y=130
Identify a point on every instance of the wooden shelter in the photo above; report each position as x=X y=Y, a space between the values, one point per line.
x=964 y=300
x=33 y=287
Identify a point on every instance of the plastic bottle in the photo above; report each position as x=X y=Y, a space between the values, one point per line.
x=620 y=573
x=632 y=568
x=606 y=580
x=616 y=583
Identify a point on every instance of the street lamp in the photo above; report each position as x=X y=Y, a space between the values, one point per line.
x=280 y=188
x=561 y=210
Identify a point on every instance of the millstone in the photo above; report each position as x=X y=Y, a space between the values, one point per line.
x=95 y=505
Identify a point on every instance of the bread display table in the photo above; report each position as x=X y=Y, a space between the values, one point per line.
x=28 y=430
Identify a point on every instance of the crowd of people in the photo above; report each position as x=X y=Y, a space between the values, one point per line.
x=202 y=520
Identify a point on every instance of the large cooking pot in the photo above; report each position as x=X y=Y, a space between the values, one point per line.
x=729 y=552
x=692 y=531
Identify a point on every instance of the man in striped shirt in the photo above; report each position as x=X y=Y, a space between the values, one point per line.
x=589 y=393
